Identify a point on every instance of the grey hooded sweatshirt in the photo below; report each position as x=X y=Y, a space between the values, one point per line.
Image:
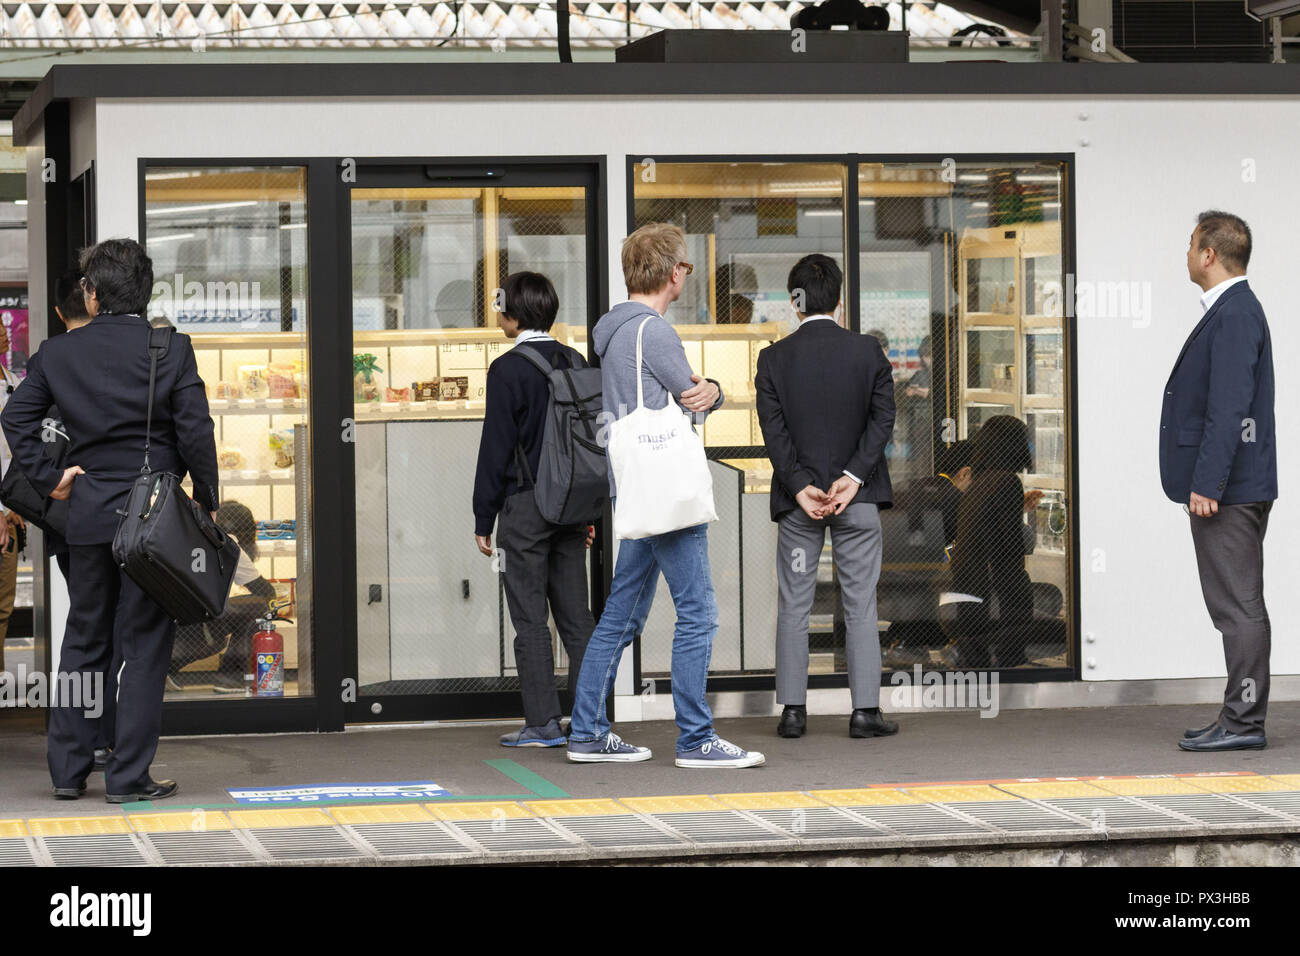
x=664 y=369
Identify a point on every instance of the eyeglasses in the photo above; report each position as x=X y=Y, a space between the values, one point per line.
x=86 y=287
x=689 y=268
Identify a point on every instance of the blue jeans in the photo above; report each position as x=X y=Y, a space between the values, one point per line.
x=683 y=557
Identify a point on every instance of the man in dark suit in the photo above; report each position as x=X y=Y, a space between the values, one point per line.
x=825 y=401
x=98 y=375
x=1218 y=458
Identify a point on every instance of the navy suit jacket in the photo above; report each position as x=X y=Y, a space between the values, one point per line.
x=825 y=400
x=1217 y=433
x=98 y=375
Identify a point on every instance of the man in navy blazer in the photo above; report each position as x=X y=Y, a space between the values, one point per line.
x=98 y=375
x=1218 y=457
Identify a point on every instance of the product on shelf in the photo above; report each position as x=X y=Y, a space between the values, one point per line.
x=226 y=390
x=230 y=457
x=281 y=380
x=253 y=381
x=286 y=590
x=367 y=384
x=425 y=391
x=397 y=394
x=276 y=529
x=281 y=442
x=453 y=387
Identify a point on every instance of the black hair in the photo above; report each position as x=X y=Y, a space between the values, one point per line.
x=819 y=278
x=1227 y=235
x=1002 y=444
x=954 y=458
x=120 y=274
x=531 y=301
x=68 y=295
x=237 y=521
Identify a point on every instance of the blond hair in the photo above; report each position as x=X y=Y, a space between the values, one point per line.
x=649 y=256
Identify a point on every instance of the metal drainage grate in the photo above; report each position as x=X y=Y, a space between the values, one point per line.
x=607 y=831
x=1019 y=816
x=217 y=846
x=513 y=834
x=409 y=839
x=16 y=853
x=1213 y=809
x=818 y=823
x=1284 y=802
x=305 y=843
x=102 y=849
x=719 y=826
x=1115 y=813
x=921 y=819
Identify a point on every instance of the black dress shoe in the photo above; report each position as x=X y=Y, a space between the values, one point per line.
x=69 y=793
x=153 y=790
x=794 y=720
x=870 y=722
x=1191 y=732
x=101 y=757
x=1219 y=739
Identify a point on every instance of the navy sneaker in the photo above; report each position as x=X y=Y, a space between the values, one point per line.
x=719 y=753
x=608 y=749
x=549 y=736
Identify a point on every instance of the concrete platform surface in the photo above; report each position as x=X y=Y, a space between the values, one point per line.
x=992 y=783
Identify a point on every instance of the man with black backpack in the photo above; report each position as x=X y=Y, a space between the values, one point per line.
x=541 y=478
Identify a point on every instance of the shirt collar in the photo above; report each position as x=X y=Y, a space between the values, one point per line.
x=533 y=335
x=814 y=318
x=1210 y=296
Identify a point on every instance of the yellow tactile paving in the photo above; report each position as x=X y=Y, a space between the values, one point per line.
x=197 y=821
x=1147 y=787
x=1251 y=784
x=578 y=808
x=477 y=811
x=786 y=800
x=281 y=817
x=1292 y=780
x=10 y=829
x=1053 y=789
x=867 y=797
x=383 y=813
x=77 y=826
x=959 y=794
x=696 y=803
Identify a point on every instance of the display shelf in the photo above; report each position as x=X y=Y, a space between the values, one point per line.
x=257 y=406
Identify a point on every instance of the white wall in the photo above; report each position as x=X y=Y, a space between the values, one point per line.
x=1148 y=167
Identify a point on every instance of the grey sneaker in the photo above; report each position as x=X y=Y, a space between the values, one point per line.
x=608 y=749
x=549 y=736
x=719 y=753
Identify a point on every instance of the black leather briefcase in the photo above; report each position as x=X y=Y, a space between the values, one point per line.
x=166 y=543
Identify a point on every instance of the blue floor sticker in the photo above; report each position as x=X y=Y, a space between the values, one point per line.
x=331 y=792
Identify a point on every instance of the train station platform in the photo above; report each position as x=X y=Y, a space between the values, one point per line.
x=1062 y=787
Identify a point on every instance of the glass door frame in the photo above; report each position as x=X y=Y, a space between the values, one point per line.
x=588 y=172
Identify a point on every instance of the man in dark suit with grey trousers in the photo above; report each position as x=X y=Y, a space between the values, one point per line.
x=98 y=375
x=1218 y=458
x=825 y=400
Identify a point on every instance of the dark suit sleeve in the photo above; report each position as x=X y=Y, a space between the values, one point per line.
x=1234 y=359
x=22 y=420
x=496 y=448
x=776 y=435
x=880 y=423
x=194 y=428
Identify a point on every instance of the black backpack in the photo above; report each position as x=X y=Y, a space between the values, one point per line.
x=572 y=480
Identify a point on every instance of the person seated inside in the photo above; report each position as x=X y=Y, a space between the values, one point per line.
x=942 y=492
x=231 y=634
x=987 y=602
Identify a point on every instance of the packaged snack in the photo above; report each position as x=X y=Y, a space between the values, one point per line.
x=230 y=458
x=286 y=596
x=253 y=381
x=281 y=380
x=397 y=394
x=453 y=386
x=226 y=390
x=367 y=383
x=281 y=443
x=425 y=391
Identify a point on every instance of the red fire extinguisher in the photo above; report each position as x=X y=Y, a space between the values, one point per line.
x=268 y=658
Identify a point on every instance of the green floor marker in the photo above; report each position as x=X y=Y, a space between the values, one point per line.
x=526 y=778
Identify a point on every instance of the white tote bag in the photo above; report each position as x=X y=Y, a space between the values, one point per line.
x=661 y=474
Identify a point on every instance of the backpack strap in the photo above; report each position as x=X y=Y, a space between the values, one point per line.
x=159 y=341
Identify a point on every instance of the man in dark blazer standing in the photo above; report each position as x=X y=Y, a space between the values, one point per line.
x=98 y=375
x=1218 y=457
x=825 y=400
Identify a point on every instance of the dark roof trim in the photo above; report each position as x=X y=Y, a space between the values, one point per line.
x=391 y=80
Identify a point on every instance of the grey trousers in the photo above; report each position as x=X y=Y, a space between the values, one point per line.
x=544 y=567
x=855 y=542
x=1230 y=559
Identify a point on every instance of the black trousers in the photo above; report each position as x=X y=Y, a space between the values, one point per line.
x=543 y=563
x=1230 y=559
x=104 y=735
x=109 y=616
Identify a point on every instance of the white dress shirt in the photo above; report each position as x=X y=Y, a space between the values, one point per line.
x=1210 y=296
